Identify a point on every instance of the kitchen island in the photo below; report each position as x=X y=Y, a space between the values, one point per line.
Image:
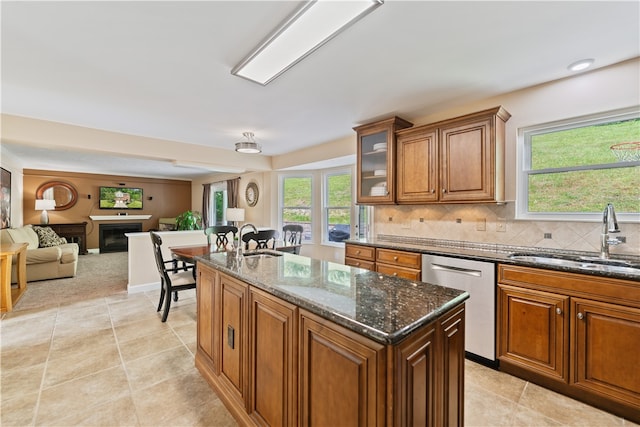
x=290 y=340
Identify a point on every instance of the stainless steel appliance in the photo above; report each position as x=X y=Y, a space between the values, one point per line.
x=478 y=279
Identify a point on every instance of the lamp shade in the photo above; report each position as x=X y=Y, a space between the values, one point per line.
x=235 y=214
x=45 y=204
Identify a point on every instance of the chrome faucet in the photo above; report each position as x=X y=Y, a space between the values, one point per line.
x=609 y=225
x=239 y=249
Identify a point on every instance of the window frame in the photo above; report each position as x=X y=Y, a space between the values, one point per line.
x=524 y=160
x=326 y=174
x=281 y=179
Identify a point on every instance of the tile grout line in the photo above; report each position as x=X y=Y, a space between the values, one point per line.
x=36 y=410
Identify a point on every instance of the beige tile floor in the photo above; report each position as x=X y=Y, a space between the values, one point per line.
x=110 y=362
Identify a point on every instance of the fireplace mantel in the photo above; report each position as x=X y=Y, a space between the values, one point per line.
x=117 y=217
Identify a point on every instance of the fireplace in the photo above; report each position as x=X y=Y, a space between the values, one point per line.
x=112 y=238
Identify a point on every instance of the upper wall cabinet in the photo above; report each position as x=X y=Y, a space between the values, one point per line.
x=376 y=160
x=460 y=160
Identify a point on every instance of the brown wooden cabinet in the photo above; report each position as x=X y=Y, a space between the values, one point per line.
x=335 y=366
x=403 y=264
x=376 y=169
x=272 y=394
x=360 y=256
x=574 y=333
x=276 y=364
x=534 y=330
x=459 y=160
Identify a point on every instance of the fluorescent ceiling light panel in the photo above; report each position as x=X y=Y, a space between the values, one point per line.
x=307 y=29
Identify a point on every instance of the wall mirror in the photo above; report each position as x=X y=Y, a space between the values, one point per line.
x=63 y=193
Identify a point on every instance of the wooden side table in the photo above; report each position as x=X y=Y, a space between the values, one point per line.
x=73 y=232
x=9 y=296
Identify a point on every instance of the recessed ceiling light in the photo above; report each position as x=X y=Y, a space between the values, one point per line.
x=583 y=64
x=311 y=26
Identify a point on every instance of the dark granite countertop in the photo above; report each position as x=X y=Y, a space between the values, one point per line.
x=383 y=308
x=498 y=254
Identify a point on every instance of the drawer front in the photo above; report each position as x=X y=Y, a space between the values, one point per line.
x=361 y=252
x=401 y=258
x=394 y=270
x=355 y=262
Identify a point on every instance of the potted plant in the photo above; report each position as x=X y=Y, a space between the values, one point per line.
x=189 y=220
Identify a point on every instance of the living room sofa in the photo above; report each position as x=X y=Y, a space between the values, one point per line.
x=43 y=263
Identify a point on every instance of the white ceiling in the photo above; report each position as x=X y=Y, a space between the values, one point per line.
x=162 y=69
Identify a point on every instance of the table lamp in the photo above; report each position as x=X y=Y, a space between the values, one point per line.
x=44 y=205
x=236 y=215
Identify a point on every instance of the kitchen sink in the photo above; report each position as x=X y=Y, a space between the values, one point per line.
x=262 y=254
x=580 y=262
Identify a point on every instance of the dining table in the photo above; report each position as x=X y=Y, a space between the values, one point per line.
x=190 y=252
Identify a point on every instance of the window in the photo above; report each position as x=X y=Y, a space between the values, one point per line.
x=296 y=203
x=337 y=206
x=218 y=204
x=572 y=169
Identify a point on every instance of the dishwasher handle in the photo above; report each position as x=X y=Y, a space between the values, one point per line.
x=467 y=271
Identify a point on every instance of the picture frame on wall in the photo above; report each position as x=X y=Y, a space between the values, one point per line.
x=5 y=197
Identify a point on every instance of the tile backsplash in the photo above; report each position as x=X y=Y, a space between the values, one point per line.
x=495 y=224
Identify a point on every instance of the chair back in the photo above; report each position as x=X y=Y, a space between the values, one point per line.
x=221 y=233
x=293 y=235
x=157 y=252
x=265 y=239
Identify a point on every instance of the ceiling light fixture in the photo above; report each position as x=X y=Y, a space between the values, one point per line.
x=250 y=146
x=308 y=28
x=583 y=64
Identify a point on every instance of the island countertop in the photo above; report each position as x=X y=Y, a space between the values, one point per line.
x=380 y=307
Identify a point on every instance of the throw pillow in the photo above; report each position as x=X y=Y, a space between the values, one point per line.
x=48 y=237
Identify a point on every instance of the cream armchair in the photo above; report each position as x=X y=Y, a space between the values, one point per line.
x=42 y=262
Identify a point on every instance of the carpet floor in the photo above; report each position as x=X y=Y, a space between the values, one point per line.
x=97 y=275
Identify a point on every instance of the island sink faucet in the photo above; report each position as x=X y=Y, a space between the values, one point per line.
x=239 y=249
x=609 y=225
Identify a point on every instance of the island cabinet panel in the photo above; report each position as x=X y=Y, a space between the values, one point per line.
x=607 y=342
x=417 y=368
x=574 y=333
x=451 y=382
x=206 y=322
x=534 y=330
x=342 y=376
x=233 y=335
x=272 y=360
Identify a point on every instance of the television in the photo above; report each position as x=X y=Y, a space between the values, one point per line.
x=120 y=198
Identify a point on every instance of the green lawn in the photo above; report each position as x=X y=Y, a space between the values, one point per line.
x=588 y=190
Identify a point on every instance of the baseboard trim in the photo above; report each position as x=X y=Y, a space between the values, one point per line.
x=143 y=288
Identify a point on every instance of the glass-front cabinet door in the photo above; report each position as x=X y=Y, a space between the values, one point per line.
x=376 y=160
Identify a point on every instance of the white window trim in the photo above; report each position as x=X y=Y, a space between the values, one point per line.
x=523 y=156
x=326 y=173
x=281 y=178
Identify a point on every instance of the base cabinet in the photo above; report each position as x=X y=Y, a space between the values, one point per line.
x=273 y=363
x=573 y=333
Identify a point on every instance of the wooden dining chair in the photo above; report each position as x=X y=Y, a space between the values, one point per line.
x=221 y=233
x=172 y=277
x=292 y=235
x=265 y=239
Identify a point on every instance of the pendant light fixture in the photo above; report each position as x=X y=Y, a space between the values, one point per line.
x=249 y=145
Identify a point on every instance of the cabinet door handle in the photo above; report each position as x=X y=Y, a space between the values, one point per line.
x=558 y=310
x=357 y=263
x=580 y=316
x=395 y=273
x=230 y=336
x=444 y=190
x=357 y=252
x=395 y=258
x=433 y=190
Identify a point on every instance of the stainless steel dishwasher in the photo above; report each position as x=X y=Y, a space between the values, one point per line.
x=478 y=279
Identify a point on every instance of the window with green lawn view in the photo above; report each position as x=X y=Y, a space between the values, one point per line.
x=337 y=206
x=296 y=203
x=576 y=167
